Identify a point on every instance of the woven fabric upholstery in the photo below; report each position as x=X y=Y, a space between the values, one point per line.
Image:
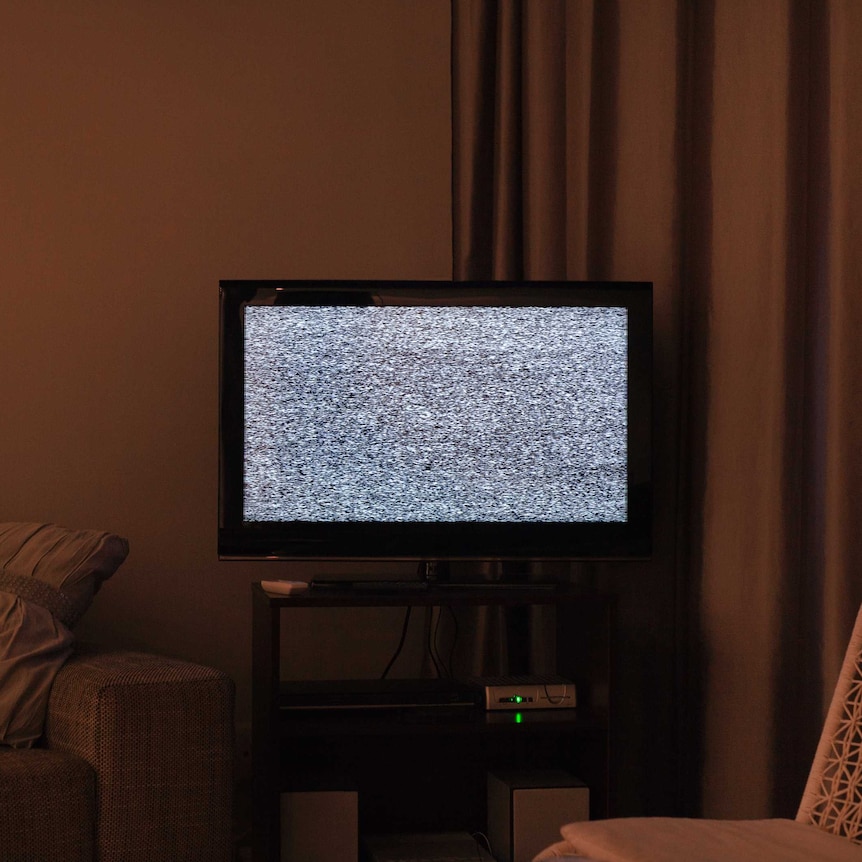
x=833 y=795
x=159 y=734
x=47 y=804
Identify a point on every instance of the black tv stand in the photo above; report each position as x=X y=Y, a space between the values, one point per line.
x=368 y=586
x=423 y=769
x=500 y=586
x=384 y=587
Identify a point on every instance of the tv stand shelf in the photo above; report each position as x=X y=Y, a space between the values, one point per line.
x=449 y=750
x=432 y=595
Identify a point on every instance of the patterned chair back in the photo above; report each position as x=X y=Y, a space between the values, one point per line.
x=833 y=795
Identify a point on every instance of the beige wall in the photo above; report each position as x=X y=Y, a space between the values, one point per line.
x=146 y=151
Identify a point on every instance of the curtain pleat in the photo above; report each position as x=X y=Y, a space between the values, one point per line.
x=509 y=165
x=710 y=146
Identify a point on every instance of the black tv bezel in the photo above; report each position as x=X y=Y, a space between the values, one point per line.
x=433 y=541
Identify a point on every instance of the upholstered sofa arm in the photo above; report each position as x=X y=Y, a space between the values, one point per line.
x=159 y=734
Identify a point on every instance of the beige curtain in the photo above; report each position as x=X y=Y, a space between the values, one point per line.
x=712 y=147
x=780 y=579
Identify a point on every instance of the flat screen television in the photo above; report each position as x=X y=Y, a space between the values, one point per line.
x=435 y=420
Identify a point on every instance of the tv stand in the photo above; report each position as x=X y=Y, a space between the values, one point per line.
x=422 y=768
x=417 y=587
x=367 y=586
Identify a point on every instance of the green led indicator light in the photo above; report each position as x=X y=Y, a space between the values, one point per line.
x=518 y=699
x=518 y=718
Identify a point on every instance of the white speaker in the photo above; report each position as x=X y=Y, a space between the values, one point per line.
x=526 y=809
x=320 y=825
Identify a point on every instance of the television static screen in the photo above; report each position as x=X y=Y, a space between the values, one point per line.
x=435 y=414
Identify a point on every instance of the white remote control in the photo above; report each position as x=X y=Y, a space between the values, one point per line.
x=284 y=588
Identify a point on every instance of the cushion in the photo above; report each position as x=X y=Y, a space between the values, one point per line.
x=48 y=577
x=665 y=839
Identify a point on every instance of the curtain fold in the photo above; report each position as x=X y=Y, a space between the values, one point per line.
x=709 y=146
x=509 y=160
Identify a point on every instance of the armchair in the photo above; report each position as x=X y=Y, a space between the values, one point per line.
x=107 y=755
x=136 y=763
x=827 y=827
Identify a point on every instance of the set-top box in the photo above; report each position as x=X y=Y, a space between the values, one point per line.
x=528 y=692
